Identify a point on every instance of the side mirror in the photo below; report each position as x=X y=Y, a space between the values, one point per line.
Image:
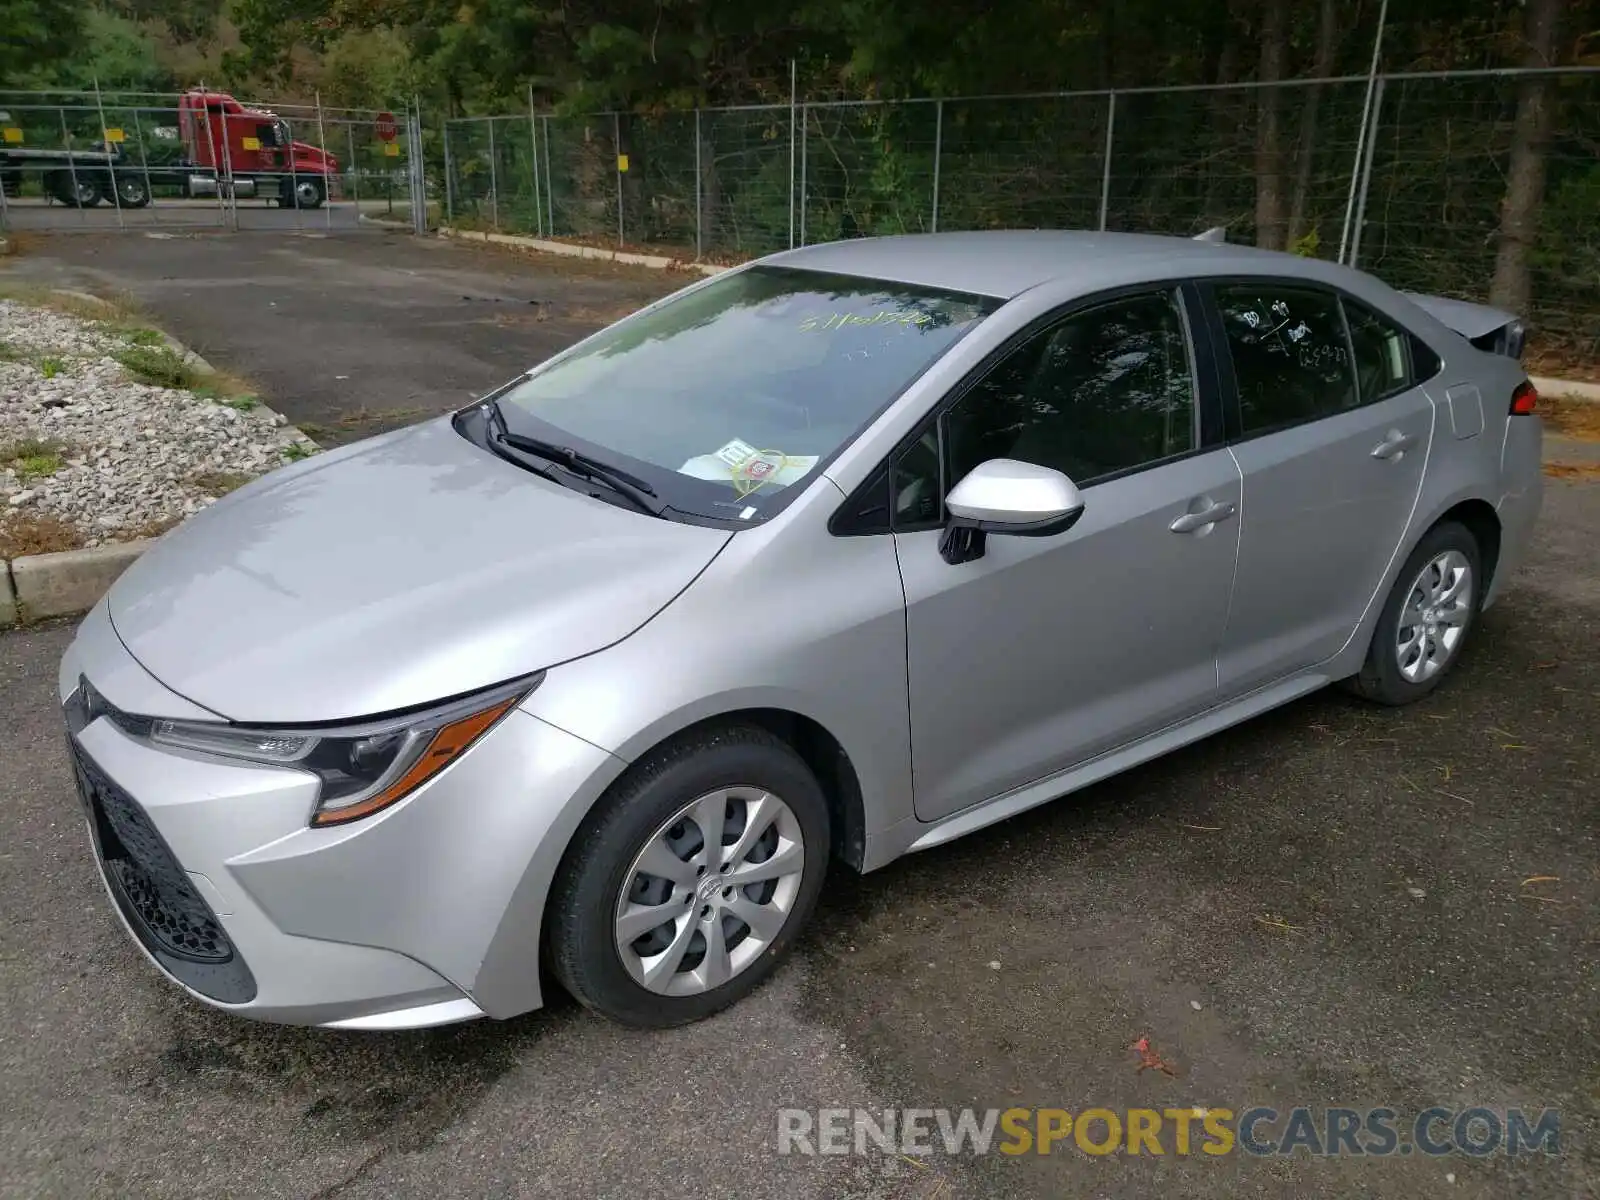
x=1006 y=496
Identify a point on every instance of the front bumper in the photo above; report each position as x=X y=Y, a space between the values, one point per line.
x=380 y=924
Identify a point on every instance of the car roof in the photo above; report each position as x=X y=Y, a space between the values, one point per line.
x=1005 y=263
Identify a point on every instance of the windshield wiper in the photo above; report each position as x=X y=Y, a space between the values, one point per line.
x=624 y=484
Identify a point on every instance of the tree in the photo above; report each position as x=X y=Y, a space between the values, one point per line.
x=1519 y=213
x=38 y=34
x=1269 y=136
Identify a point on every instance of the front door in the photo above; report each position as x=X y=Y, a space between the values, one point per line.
x=1332 y=451
x=1047 y=651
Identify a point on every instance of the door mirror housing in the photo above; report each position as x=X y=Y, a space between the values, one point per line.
x=1007 y=496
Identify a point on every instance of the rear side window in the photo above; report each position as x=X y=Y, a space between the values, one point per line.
x=1291 y=362
x=1382 y=354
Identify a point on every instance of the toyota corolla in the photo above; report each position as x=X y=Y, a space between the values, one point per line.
x=835 y=556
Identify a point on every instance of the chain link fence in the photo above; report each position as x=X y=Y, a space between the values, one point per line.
x=202 y=159
x=1404 y=175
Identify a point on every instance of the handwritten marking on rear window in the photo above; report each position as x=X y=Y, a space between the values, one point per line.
x=839 y=320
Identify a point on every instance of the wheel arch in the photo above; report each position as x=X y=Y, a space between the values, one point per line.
x=512 y=978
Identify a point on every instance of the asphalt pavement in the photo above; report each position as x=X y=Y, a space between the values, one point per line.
x=1332 y=905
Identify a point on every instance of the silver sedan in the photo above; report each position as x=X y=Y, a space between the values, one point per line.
x=835 y=556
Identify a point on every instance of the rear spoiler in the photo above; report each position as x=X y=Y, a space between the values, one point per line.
x=1489 y=329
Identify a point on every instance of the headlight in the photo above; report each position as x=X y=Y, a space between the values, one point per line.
x=360 y=767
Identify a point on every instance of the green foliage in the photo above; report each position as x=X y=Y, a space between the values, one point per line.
x=295 y=451
x=1307 y=244
x=32 y=458
x=104 y=46
x=51 y=367
x=157 y=366
x=37 y=35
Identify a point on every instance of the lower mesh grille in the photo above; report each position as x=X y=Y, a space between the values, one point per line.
x=170 y=914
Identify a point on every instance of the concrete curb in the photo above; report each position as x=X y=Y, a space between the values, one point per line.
x=658 y=262
x=68 y=583
x=35 y=587
x=1566 y=387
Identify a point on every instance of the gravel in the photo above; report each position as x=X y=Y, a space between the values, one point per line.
x=133 y=458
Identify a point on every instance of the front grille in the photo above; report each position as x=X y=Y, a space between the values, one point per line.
x=158 y=899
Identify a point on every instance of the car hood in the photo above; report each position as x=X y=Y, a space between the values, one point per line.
x=392 y=573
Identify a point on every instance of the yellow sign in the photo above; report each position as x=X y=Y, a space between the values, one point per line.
x=622 y=162
x=251 y=143
x=391 y=149
x=13 y=134
x=114 y=135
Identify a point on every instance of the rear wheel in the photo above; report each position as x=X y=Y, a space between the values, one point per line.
x=82 y=191
x=691 y=881
x=132 y=192
x=1426 y=619
x=305 y=192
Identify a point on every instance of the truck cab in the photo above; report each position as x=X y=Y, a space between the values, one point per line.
x=250 y=152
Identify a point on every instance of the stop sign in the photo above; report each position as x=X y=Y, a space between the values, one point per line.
x=384 y=126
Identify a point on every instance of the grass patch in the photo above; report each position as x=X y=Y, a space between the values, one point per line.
x=219 y=483
x=295 y=451
x=36 y=533
x=31 y=458
x=158 y=366
x=51 y=367
x=1571 y=417
x=140 y=335
x=217 y=395
x=9 y=353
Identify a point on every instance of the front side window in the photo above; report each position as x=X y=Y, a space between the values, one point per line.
x=1105 y=390
x=1291 y=362
x=727 y=397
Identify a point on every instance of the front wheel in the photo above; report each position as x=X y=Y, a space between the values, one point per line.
x=690 y=882
x=1425 y=620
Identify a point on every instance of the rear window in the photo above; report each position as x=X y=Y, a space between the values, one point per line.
x=728 y=396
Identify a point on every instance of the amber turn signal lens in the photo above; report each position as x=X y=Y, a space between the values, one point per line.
x=444 y=745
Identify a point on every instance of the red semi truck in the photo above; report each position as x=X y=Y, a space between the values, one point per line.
x=228 y=147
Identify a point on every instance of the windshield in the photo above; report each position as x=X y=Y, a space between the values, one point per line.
x=726 y=398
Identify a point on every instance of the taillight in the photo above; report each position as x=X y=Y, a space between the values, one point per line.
x=1524 y=399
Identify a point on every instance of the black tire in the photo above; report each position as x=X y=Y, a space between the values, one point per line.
x=1380 y=679
x=306 y=191
x=582 y=952
x=131 y=191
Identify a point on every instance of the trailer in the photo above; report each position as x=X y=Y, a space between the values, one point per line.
x=229 y=149
x=82 y=178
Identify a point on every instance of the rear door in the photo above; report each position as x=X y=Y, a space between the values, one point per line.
x=1332 y=436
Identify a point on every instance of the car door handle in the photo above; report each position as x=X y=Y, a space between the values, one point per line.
x=1190 y=522
x=1394 y=444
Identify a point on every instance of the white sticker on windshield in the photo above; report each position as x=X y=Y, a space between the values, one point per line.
x=749 y=469
x=737 y=452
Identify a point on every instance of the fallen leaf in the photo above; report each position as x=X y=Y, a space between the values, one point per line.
x=1149 y=1060
x=1453 y=796
x=1202 y=828
x=1545 y=666
x=1276 y=923
x=1515 y=746
x=1541 y=879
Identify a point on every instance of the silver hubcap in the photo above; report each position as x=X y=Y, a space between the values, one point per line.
x=1434 y=616
x=712 y=889
x=307 y=192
